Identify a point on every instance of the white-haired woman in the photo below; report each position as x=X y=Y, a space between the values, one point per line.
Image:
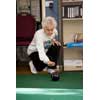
x=44 y=47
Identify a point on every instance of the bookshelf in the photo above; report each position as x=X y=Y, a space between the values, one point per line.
x=72 y=19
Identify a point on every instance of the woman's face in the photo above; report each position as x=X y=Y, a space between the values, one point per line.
x=49 y=30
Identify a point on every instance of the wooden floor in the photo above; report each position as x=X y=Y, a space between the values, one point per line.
x=23 y=70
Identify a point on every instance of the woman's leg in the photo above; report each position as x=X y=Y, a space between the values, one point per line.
x=53 y=54
x=38 y=64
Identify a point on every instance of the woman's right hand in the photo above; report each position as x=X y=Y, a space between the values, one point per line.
x=51 y=63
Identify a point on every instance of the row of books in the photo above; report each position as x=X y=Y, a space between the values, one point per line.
x=72 y=12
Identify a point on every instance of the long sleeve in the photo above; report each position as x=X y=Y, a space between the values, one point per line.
x=40 y=48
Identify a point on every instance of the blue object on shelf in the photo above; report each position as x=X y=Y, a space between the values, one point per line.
x=74 y=44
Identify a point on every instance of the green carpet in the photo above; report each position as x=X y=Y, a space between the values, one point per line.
x=40 y=87
x=68 y=80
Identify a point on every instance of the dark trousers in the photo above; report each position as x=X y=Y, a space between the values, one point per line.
x=52 y=53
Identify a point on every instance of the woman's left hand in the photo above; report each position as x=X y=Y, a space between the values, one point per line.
x=54 y=41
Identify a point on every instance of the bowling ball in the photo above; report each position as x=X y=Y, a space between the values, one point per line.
x=55 y=76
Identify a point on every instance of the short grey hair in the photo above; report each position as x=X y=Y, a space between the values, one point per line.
x=48 y=21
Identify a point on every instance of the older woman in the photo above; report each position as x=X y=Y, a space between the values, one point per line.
x=44 y=48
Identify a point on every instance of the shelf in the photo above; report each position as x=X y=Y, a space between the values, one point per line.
x=72 y=0
x=70 y=65
x=71 y=48
x=72 y=19
x=72 y=3
x=73 y=54
x=71 y=68
x=73 y=62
